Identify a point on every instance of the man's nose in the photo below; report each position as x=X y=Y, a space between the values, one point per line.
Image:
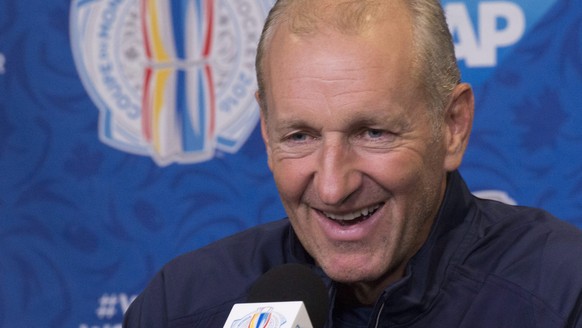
x=337 y=177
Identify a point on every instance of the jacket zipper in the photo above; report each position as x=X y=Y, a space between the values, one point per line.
x=378 y=316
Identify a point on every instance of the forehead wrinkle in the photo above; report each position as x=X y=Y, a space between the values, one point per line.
x=364 y=117
x=336 y=86
x=286 y=125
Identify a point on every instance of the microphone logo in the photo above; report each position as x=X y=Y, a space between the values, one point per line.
x=263 y=317
x=173 y=80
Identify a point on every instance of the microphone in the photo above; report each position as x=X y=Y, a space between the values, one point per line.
x=289 y=295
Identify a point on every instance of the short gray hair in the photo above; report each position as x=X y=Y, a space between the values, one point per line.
x=434 y=58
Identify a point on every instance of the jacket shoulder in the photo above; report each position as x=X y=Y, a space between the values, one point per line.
x=531 y=250
x=202 y=285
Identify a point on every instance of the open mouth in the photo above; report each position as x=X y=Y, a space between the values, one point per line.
x=354 y=217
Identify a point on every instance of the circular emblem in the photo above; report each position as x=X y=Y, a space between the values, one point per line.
x=263 y=317
x=173 y=80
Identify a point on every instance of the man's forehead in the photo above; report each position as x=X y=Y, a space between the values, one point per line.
x=381 y=57
x=304 y=17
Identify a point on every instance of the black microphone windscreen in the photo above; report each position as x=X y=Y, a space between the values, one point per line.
x=293 y=282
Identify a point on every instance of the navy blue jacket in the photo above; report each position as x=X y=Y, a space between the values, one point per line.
x=485 y=264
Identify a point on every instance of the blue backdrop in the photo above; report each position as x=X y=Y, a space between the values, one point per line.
x=128 y=136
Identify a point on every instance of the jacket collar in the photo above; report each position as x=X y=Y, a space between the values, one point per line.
x=427 y=270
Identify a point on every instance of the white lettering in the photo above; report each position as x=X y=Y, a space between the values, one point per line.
x=108 y=308
x=110 y=304
x=461 y=27
x=481 y=50
x=125 y=301
x=115 y=325
x=2 y=63
x=489 y=15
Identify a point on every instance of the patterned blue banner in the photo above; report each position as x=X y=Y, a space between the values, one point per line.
x=109 y=168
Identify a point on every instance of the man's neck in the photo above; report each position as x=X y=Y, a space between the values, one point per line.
x=363 y=293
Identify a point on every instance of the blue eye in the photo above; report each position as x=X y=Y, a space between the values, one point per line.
x=298 y=137
x=375 y=138
x=374 y=133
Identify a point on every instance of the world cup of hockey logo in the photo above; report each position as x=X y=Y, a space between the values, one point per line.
x=263 y=317
x=173 y=79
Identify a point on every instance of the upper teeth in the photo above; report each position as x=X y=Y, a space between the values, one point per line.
x=354 y=215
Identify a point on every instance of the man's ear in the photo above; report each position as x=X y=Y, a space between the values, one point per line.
x=264 y=130
x=458 y=124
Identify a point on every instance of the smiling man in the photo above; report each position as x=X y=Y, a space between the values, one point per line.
x=359 y=158
x=365 y=123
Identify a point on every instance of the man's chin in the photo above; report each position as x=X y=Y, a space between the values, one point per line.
x=350 y=273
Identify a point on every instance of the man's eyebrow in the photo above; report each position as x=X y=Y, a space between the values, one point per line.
x=390 y=122
x=392 y=119
x=291 y=123
x=363 y=117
